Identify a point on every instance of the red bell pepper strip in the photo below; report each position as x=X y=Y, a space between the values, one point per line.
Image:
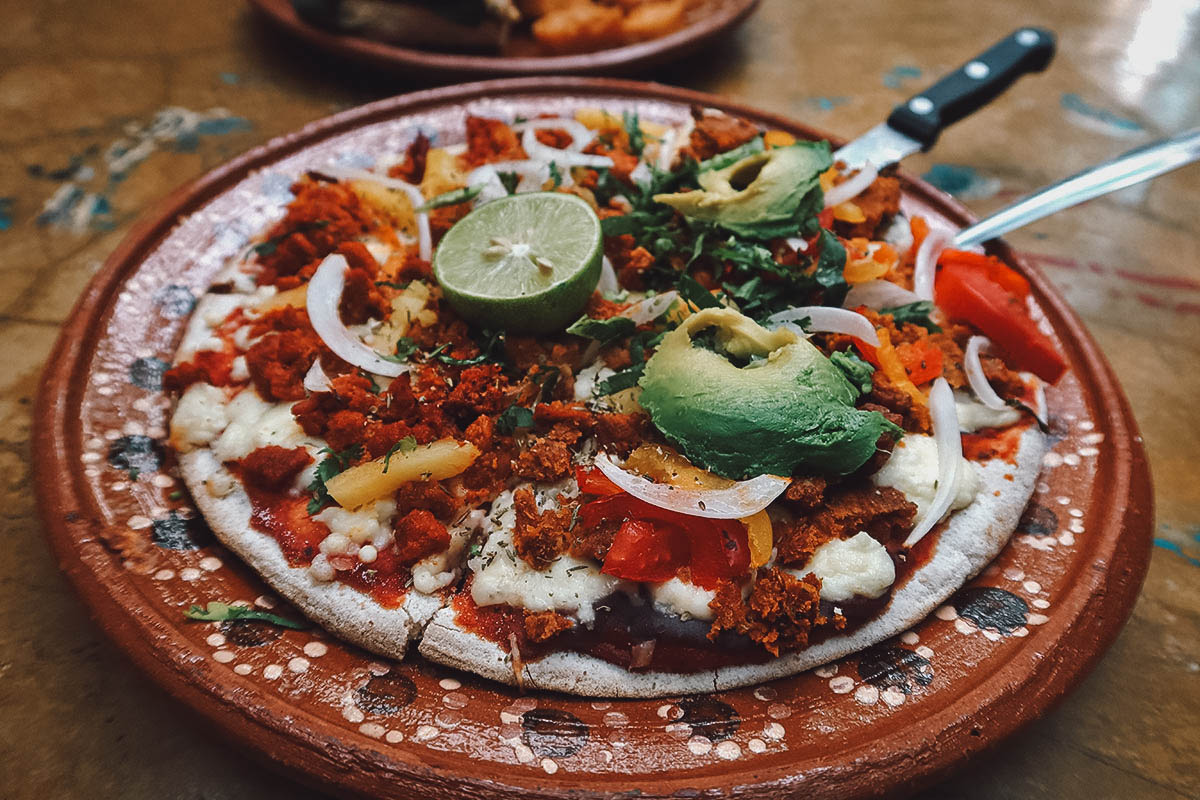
x=972 y=293
x=994 y=268
x=922 y=360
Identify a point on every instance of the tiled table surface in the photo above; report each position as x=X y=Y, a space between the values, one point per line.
x=106 y=107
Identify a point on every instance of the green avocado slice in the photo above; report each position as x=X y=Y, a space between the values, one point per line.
x=788 y=410
x=767 y=194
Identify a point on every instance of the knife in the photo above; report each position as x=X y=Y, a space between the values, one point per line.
x=915 y=124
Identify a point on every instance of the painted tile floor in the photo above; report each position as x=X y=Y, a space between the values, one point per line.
x=109 y=106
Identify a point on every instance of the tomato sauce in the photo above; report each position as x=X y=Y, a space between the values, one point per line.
x=285 y=519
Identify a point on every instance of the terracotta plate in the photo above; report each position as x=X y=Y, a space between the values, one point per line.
x=707 y=20
x=893 y=718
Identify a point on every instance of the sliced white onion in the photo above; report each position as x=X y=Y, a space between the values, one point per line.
x=975 y=377
x=424 y=236
x=650 y=308
x=926 y=267
x=666 y=150
x=740 y=500
x=944 y=416
x=824 y=319
x=569 y=158
x=641 y=175
x=580 y=135
x=797 y=244
x=851 y=187
x=878 y=294
x=608 y=278
x=315 y=380
x=323 y=298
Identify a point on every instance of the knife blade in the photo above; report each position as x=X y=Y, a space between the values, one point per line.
x=916 y=123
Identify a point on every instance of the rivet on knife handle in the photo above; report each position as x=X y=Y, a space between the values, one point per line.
x=973 y=85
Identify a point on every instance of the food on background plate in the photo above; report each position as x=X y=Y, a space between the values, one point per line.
x=556 y=26
x=611 y=407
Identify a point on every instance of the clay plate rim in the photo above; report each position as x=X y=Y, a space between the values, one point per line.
x=1020 y=690
x=625 y=59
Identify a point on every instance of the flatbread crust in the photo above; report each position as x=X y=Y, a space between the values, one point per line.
x=342 y=610
x=966 y=544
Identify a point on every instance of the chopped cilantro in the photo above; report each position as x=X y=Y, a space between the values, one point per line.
x=555 y=175
x=831 y=267
x=512 y=418
x=219 y=612
x=692 y=292
x=393 y=284
x=602 y=330
x=405 y=348
x=271 y=245
x=857 y=371
x=633 y=129
x=917 y=313
x=334 y=464
x=509 y=180
x=405 y=445
x=451 y=198
x=625 y=379
x=474 y=550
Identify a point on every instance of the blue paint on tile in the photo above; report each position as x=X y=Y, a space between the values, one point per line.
x=220 y=126
x=1073 y=102
x=896 y=76
x=1174 y=547
x=962 y=181
x=828 y=103
x=230 y=78
x=6 y=212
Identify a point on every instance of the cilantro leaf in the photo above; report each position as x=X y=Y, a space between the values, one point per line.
x=393 y=284
x=405 y=349
x=692 y=292
x=219 y=612
x=831 y=267
x=916 y=312
x=405 y=445
x=334 y=464
x=625 y=379
x=602 y=330
x=271 y=245
x=450 y=198
x=555 y=175
x=857 y=371
x=637 y=140
x=509 y=180
x=512 y=418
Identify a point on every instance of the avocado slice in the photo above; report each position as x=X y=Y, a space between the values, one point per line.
x=788 y=410
x=764 y=195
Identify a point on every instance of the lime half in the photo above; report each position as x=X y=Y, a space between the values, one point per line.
x=526 y=262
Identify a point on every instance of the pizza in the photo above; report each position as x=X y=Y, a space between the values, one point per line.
x=605 y=406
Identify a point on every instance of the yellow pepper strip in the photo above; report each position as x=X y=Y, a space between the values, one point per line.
x=827 y=177
x=891 y=365
x=667 y=466
x=778 y=139
x=861 y=264
x=848 y=212
x=297 y=297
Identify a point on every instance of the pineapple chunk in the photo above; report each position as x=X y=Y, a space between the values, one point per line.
x=372 y=480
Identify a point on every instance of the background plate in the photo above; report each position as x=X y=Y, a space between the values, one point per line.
x=890 y=719
x=710 y=19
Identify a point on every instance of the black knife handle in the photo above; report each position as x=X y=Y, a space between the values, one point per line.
x=972 y=85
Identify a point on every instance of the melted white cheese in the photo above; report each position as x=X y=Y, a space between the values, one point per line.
x=199 y=418
x=848 y=567
x=973 y=415
x=441 y=569
x=684 y=600
x=369 y=524
x=255 y=423
x=913 y=469
x=501 y=576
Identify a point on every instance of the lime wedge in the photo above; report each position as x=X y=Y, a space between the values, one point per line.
x=526 y=262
